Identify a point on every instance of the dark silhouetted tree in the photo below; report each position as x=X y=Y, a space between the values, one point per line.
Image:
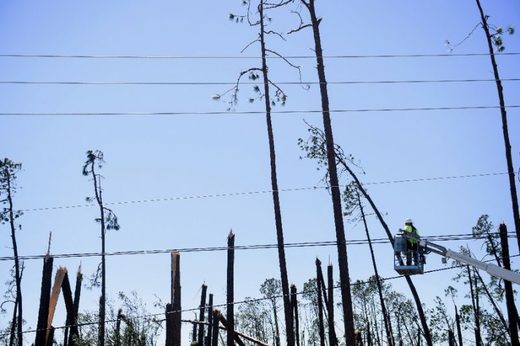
x=108 y=221
x=344 y=277
x=8 y=215
x=264 y=93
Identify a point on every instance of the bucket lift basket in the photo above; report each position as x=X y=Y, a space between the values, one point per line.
x=401 y=251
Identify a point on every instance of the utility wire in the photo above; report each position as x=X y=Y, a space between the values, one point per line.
x=259 y=192
x=357 y=283
x=229 y=57
x=155 y=83
x=171 y=113
x=446 y=237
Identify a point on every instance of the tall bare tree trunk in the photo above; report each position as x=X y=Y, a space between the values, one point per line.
x=344 y=277
x=289 y=329
x=17 y=274
x=102 y=298
x=505 y=130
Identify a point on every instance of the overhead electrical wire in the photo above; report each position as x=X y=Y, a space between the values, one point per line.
x=170 y=83
x=446 y=237
x=229 y=57
x=246 y=301
x=258 y=192
x=234 y=113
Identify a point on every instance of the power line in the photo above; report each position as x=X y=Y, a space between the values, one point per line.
x=251 y=300
x=169 y=83
x=259 y=192
x=230 y=57
x=233 y=113
x=440 y=238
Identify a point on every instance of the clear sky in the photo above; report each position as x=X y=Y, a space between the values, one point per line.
x=149 y=157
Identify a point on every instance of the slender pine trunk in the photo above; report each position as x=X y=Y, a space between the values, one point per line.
x=289 y=329
x=102 y=298
x=18 y=278
x=505 y=130
x=344 y=277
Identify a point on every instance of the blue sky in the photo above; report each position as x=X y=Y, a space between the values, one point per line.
x=190 y=155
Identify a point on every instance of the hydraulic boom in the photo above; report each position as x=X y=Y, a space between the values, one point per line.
x=426 y=246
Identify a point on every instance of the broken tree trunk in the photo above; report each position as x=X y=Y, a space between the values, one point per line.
x=74 y=333
x=117 y=341
x=69 y=306
x=294 y=304
x=176 y=298
x=330 y=306
x=319 y=280
x=230 y=330
x=230 y=312
x=43 y=313
x=511 y=309
x=242 y=335
x=200 y=338
x=169 y=325
x=214 y=336
x=53 y=301
x=210 y=321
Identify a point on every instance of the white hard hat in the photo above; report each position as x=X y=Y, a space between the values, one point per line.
x=408 y=221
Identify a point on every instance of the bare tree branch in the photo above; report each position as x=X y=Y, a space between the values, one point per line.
x=272 y=5
x=287 y=61
x=249 y=45
x=301 y=26
x=271 y=32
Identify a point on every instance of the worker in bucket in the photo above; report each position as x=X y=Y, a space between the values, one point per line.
x=412 y=241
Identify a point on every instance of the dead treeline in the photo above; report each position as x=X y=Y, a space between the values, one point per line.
x=367 y=312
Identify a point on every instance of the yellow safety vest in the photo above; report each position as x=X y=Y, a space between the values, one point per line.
x=410 y=230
